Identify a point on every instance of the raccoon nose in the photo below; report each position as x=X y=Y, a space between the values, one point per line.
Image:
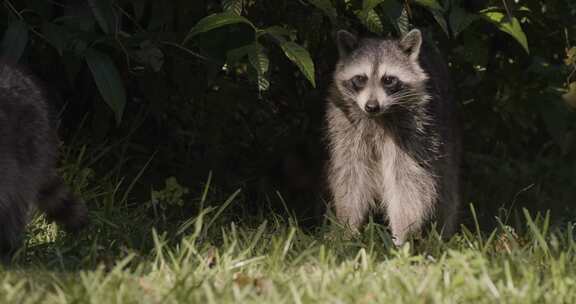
x=372 y=107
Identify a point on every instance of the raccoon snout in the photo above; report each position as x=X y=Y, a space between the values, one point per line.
x=372 y=107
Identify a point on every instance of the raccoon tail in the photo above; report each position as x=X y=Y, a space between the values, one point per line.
x=62 y=206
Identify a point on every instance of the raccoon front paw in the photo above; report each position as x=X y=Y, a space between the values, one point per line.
x=398 y=241
x=78 y=219
x=72 y=215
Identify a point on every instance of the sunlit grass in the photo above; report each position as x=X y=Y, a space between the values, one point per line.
x=273 y=262
x=220 y=256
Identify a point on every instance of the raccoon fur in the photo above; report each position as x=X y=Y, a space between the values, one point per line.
x=393 y=135
x=28 y=156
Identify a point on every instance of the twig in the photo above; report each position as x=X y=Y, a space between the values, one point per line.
x=130 y=17
x=508 y=12
x=185 y=49
x=13 y=9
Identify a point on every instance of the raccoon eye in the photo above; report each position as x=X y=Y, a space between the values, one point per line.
x=359 y=81
x=389 y=81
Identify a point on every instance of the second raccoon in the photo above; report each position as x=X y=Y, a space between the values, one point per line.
x=28 y=156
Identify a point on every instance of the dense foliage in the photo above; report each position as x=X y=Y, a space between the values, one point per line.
x=236 y=86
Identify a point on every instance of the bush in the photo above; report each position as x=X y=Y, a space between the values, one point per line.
x=232 y=85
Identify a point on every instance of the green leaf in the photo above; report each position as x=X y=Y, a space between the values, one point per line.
x=108 y=81
x=260 y=62
x=441 y=20
x=460 y=19
x=14 y=41
x=437 y=12
x=235 y=55
x=215 y=21
x=58 y=36
x=279 y=33
x=507 y=25
x=370 y=4
x=327 y=8
x=259 y=59
x=233 y=6
x=371 y=20
x=301 y=58
x=395 y=13
x=104 y=14
x=403 y=22
x=432 y=4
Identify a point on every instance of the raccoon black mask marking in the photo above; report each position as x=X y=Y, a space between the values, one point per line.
x=380 y=75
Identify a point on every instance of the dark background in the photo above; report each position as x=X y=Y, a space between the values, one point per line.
x=149 y=90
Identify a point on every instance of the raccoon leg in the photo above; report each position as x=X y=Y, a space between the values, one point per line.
x=351 y=189
x=12 y=223
x=61 y=206
x=449 y=206
x=350 y=211
x=409 y=196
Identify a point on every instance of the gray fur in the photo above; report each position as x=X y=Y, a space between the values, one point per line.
x=28 y=155
x=403 y=159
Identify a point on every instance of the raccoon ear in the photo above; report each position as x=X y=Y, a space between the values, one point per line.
x=411 y=43
x=346 y=41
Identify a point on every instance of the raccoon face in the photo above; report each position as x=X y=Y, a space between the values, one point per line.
x=379 y=75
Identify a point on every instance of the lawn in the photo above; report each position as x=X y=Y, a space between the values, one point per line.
x=146 y=251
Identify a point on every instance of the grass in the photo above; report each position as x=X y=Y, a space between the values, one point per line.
x=147 y=253
x=277 y=262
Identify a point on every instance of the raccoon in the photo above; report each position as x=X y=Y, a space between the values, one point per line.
x=393 y=135
x=28 y=156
